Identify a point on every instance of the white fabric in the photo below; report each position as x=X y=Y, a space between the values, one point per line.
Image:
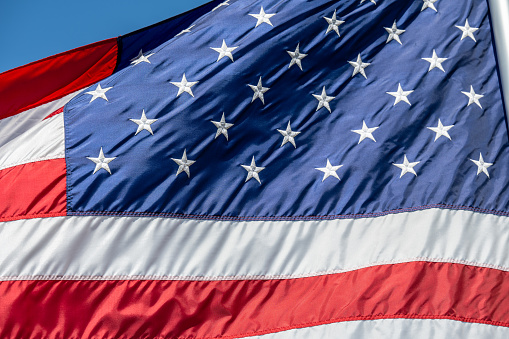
x=44 y=141
x=395 y=329
x=18 y=124
x=499 y=10
x=26 y=137
x=163 y=248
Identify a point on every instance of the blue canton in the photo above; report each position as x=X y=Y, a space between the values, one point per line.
x=296 y=109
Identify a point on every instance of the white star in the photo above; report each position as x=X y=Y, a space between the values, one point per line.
x=373 y=1
x=333 y=24
x=141 y=58
x=252 y=171
x=394 y=33
x=467 y=31
x=435 y=62
x=224 y=51
x=262 y=18
x=482 y=167
x=365 y=132
x=144 y=123
x=184 y=86
x=441 y=130
x=407 y=167
x=101 y=162
x=323 y=100
x=329 y=171
x=359 y=66
x=222 y=127
x=99 y=93
x=289 y=135
x=225 y=3
x=187 y=30
x=473 y=97
x=400 y=95
x=429 y=4
x=184 y=164
x=259 y=90
x=297 y=57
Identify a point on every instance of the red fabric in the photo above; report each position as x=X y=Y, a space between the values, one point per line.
x=32 y=190
x=49 y=79
x=207 y=309
x=58 y=111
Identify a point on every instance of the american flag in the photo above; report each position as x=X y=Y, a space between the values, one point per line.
x=283 y=169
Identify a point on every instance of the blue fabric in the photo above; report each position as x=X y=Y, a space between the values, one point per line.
x=149 y=38
x=144 y=180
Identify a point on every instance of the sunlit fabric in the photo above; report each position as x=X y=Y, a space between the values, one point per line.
x=261 y=168
x=145 y=182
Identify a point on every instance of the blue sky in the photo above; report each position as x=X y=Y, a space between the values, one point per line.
x=33 y=29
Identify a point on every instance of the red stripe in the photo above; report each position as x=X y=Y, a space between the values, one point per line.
x=52 y=78
x=58 y=111
x=210 y=309
x=33 y=190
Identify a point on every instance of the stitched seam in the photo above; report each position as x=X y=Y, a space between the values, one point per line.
x=68 y=169
x=357 y=318
x=425 y=260
x=33 y=216
x=287 y=218
x=340 y=320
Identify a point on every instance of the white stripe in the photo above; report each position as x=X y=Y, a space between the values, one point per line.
x=14 y=126
x=395 y=329
x=159 y=248
x=44 y=141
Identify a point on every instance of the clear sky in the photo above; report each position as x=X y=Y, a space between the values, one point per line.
x=34 y=29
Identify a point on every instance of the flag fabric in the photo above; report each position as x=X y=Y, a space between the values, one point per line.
x=282 y=169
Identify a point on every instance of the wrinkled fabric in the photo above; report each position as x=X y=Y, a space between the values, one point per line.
x=144 y=181
x=499 y=10
x=117 y=248
x=144 y=249
x=395 y=328
x=210 y=309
